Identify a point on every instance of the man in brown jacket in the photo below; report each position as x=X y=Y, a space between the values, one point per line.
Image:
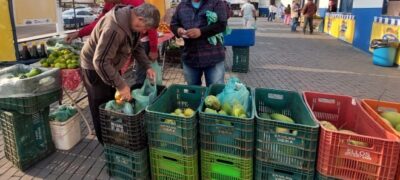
x=308 y=12
x=115 y=37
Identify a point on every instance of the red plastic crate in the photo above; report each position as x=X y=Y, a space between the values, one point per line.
x=340 y=159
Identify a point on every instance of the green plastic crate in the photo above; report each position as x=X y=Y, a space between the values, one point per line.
x=264 y=170
x=27 y=138
x=227 y=134
x=169 y=132
x=241 y=58
x=296 y=149
x=30 y=105
x=217 y=166
x=126 y=164
x=166 y=165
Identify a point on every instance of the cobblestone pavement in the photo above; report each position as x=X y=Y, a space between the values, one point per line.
x=280 y=59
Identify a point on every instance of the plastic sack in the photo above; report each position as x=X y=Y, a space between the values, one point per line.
x=235 y=92
x=144 y=96
x=125 y=108
x=157 y=68
x=54 y=43
x=12 y=86
x=63 y=113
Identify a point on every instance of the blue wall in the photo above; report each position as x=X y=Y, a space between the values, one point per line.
x=364 y=19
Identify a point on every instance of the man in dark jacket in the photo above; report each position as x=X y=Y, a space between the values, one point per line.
x=115 y=37
x=308 y=12
x=199 y=56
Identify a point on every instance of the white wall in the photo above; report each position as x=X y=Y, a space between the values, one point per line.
x=367 y=3
x=323 y=4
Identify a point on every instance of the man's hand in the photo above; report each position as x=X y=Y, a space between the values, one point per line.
x=193 y=33
x=151 y=74
x=153 y=56
x=125 y=93
x=71 y=37
x=181 y=32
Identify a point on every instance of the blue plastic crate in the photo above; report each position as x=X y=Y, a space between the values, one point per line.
x=240 y=37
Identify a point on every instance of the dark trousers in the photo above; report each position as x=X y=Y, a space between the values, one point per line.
x=271 y=16
x=140 y=70
x=308 y=21
x=98 y=93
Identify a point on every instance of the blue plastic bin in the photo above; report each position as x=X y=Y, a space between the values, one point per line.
x=384 y=56
x=240 y=37
x=264 y=12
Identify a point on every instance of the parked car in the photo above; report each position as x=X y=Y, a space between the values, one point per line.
x=84 y=16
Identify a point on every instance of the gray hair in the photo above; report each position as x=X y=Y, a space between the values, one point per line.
x=150 y=14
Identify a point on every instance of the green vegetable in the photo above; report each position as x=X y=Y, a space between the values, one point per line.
x=226 y=107
x=222 y=112
x=210 y=111
x=265 y=116
x=281 y=117
x=238 y=110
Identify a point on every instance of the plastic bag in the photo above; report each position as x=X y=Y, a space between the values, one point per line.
x=235 y=92
x=12 y=86
x=63 y=113
x=144 y=96
x=126 y=107
x=157 y=68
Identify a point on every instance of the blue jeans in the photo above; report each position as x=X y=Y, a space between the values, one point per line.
x=295 y=22
x=213 y=74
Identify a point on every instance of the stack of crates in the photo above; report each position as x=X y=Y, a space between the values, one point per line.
x=241 y=59
x=359 y=147
x=284 y=150
x=26 y=130
x=227 y=143
x=125 y=143
x=173 y=139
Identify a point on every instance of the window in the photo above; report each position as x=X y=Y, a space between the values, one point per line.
x=84 y=13
x=346 y=6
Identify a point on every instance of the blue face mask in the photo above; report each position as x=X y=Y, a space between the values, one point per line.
x=196 y=5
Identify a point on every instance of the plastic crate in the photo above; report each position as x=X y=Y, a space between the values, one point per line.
x=264 y=170
x=296 y=149
x=125 y=164
x=124 y=130
x=27 y=138
x=376 y=158
x=30 y=105
x=166 y=165
x=217 y=166
x=241 y=58
x=374 y=108
x=169 y=132
x=227 y=134
x=240 y=37
x=319 y=176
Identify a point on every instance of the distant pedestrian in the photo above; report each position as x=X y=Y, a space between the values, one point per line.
x=308 y=12
x=272 y=12
x=295 y=15
x=287 y=15
x=249 y=14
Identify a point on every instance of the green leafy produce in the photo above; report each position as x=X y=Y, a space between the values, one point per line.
x=212 y=102
x=34 y=72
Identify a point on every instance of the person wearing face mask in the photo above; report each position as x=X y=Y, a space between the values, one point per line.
x=150 y=46
x=115 y=37
x=199 y=55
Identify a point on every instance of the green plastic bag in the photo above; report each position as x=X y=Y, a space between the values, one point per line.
x=157 y=68
x=235 y=92
x=144 y=96
x=63 y=113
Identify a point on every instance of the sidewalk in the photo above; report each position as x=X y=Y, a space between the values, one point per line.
x=280 y=59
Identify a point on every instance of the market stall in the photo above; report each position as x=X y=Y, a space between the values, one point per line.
x=340 y=26
x=387 y=28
